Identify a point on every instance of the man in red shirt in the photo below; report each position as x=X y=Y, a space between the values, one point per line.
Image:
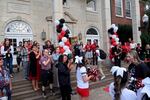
x=93 y=47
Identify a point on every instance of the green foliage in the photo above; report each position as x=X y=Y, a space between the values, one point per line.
x=145 y=38
x=125 y=32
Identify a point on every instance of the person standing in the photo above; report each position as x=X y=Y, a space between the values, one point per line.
x=88 y=52
x=49 y=46
x=7 y=51
x=117 y=89
x=46 y=72
x=5 y=81
x=33 y=56
x=64 y=66
x=55 y=57
x=19 y=48
x=25 y=60
x=82 y=80
x=93 y=47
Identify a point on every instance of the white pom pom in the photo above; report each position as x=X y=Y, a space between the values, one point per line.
x=61 y=44
x=57 y=22
x=64 y=39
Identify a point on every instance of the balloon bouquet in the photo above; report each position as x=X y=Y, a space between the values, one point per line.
x=63 y=37
x=114 y=39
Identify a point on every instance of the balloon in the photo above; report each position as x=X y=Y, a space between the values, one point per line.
x=60 y=37
x=58 y=30
x=64 y=28
x=68 y=43
x=64 y=39
x=62 y=20
x=65 y=47
x=67 y=31
x=61 y=44
x=111 y=31
x=63 y=33
x=66 y=35
x=57 y=22
x=62 y=50
x=114 y=36
x=114 y=44
x=112 y=41
x=117 y=39
x=60 y=25
x=67 y=52
x=113 y=26
x=117 y=43
x=115 y=29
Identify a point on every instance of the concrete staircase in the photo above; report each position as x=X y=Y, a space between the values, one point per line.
x=22 y=89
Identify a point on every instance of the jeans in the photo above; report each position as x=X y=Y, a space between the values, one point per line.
x=7 y=92
x=8 y=64
x=65 y=92
x=25 y=65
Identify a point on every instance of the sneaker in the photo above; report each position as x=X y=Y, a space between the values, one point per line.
x=44 y=94
x=103 y=77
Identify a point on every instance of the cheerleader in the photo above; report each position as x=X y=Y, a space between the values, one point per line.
x=118 y=90
x=82 y=79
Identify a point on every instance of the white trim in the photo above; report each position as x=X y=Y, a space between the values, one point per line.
x=128 y=9
x=121 y=9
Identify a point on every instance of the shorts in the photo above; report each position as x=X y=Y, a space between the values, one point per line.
x=83 y=92
x=88 y=54
x=46 y=77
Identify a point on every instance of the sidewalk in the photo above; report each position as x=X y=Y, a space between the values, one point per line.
x=95 y=94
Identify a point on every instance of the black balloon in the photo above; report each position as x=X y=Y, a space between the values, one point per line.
x=66 y=35
x=67 y=31
x=62 y=20
x=60 y=25
x=111 y=31
x=58 y=30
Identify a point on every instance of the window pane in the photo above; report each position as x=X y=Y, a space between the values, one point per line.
x=118 y=7
x=91 y=5
x=128 y=8
x=92 y=31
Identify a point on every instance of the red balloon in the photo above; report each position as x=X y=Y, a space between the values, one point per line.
x=114 y=43
x=61 y=50
x=63 y=33
x=60 y=37
x=68 y=43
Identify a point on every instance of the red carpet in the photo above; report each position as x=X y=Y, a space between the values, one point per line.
x=106 y=89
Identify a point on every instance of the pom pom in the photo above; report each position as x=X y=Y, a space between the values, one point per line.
x=61 y=44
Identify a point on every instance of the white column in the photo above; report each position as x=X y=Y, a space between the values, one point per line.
x=57 y=14
x=106 y=22
x=135 y=10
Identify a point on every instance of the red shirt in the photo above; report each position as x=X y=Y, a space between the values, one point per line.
x=88 y=47
x=93 y=47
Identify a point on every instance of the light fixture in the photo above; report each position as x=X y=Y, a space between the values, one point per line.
x=43 y=35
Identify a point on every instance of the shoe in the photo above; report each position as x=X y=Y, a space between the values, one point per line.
x=73 y=93
x=11 y=76
x=44 y=94
x=103 y=77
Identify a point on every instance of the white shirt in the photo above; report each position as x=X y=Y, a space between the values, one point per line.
x=132 y=45
x=79 y=75
x=126 y=94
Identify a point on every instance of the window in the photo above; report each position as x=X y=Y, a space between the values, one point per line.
x=92 y=31
x=91 y=5
x=18 y=27
x=128 y=8
x=65 y=2
x=119 y=7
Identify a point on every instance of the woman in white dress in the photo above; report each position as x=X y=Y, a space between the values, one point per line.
x=117 y=89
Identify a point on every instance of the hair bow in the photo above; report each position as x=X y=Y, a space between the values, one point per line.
x=119 y=70
x=146 y=88
x=78 y=59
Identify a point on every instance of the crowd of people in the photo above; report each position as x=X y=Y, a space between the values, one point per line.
x=45 y=64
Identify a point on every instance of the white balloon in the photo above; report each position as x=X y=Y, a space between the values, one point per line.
x=66 y=48
x=114 y=36
x=61 y=44
x=67 y=52
x=64 y=39
x=117 y=39
x=113 y=26
x=64 y=28
x=57 y=22
x=115 y=29
x=111 y=46
x=117 y=43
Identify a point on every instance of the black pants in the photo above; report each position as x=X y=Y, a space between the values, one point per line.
x=94 y=58
x=65 y=92
x=117 y=61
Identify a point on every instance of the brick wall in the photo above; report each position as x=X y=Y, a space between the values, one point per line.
x=119 y=20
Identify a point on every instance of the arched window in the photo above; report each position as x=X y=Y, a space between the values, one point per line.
x=92 y=31
x=92 y=34
x=18 y=27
